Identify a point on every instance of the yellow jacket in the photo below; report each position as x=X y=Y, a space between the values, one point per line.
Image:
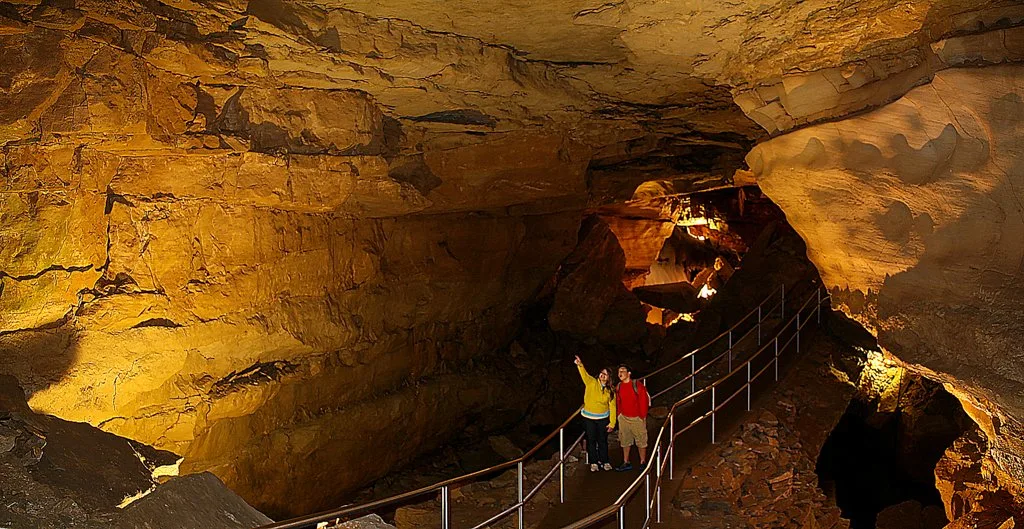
x=598 y=401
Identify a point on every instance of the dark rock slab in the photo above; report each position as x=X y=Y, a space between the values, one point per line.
x=680 y=297
x=196 y=501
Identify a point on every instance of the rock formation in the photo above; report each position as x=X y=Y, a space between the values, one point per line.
x=56 y=473
x=234 y=229
x=912 y=217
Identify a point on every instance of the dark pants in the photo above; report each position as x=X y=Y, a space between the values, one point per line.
x=597 y=440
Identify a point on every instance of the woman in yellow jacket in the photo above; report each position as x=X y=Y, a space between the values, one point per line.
x=598 y=415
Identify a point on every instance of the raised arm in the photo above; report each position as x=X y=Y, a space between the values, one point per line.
x=587 y=379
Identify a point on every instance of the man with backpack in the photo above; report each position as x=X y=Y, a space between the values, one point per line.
x=632 y=403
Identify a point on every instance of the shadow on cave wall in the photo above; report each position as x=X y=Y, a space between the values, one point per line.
x=41 y=357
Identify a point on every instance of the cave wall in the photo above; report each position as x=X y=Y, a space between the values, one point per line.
x=225 y=255
x=912 y=215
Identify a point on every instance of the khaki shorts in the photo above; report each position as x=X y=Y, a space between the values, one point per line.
x=632 y=430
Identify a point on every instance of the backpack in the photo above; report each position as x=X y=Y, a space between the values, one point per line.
x=636 y=392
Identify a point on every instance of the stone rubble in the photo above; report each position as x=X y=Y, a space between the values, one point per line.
x=759 y=478
x=474 y=502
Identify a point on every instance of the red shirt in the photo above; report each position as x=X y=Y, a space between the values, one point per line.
x=632 y=403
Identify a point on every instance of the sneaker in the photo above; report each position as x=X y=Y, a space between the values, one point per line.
x=626 y=467
x=593 y=467
x=607 y=466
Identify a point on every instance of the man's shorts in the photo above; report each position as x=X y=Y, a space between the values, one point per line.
x=632 y=430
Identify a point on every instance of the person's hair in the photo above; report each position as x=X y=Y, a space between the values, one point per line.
x=612 y=384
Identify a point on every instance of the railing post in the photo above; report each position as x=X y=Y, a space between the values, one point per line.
x=712 y=414
x=730 y=350
x=776 y=358
x=759 y=325
x=647 y=498
x=445 y=508
x=818 y=292
x=520 y=514
x=561 y=465
x=693 y=373
x=657 y=483
x=671 y=444
x=798 y=331
x=622 y=517
x=748 y=385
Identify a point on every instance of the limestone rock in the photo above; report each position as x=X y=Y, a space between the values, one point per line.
x=591 y=280
x=504 y=447
x=680 y=297
x=910 y=216
x=56 y=473
x=370 y=521
x=194 y=501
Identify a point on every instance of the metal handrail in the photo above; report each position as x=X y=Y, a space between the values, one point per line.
x=660 y=460
x=694 y=371
x=443 y=487
x=721 y=335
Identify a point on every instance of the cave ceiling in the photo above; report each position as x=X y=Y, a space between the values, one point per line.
x=630 y=79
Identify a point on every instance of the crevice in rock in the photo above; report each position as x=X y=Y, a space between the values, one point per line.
x=47 y=270
x=258 y=373
x=462 y=116
x=156 y=322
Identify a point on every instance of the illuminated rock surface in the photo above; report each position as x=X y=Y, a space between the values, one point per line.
x=268 y=234
x=911 y=214
x=56 y=473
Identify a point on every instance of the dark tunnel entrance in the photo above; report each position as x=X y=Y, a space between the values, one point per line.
x=881 y=457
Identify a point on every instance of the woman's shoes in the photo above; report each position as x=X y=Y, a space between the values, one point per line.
x=607 y=466
x=593 y=467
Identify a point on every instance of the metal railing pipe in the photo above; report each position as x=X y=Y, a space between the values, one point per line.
x=759 y=325
x=777 y=357
x=712 y=414
x=693 y=375
x=561 y=465
x=671 y=445
x=647 y=498
x=748 y=385
x=445 y=509
x=520 y=475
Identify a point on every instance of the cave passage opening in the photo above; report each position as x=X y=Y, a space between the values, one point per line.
x=878 y=463
x=712 y=232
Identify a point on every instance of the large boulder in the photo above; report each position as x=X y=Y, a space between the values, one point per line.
x=56 y=473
